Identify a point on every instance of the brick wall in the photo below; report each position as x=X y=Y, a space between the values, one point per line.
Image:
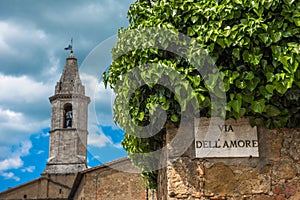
x=108 y=183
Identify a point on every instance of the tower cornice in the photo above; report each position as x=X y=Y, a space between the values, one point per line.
x=67 y=130
x=69 y=96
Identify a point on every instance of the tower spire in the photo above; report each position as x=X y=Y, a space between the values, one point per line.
x=70 y=82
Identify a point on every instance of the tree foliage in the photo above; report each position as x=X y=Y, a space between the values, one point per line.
x=255 y=45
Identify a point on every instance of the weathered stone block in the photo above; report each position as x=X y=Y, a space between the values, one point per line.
x=269 y=143
x=285 y=169
x=291 y=144
x=180 y=180
x=251 y=182
x=290 y=189
x=219 y=179
x=277 y=190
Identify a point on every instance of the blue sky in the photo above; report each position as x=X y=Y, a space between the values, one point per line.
x=33 y=35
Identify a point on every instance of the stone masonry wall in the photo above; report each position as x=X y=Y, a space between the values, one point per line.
x=107 y=183
x=275 y=175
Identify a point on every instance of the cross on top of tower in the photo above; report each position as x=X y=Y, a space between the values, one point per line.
x=70 y=47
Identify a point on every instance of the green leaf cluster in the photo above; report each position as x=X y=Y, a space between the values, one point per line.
x=255 y=45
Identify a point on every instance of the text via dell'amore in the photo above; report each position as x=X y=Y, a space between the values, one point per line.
x=230 y=138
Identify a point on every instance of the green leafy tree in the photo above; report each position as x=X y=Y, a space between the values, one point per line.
x=255 y=44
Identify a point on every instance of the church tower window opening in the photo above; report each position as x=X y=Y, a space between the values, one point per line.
x=68 y=115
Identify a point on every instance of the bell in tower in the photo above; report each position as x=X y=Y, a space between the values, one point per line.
x=68 y=133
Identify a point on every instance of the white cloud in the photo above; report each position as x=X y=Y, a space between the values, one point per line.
x=12 y=33
x=22 y=89
x=4 y=46
x=52 y=68
x=24 y=148
x=22 y=110
x=29 y=169
x=9 y=175
x=118 y=145
x=17 y=127
x=40 y=152
x=100 y=111
x=12 y=120
x=98 y=139
x=102 y=99
x=11 y=163
x=8 y=115
x=97 y=157
x=14 y=161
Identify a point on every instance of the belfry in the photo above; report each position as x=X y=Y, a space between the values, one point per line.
x=68 y=133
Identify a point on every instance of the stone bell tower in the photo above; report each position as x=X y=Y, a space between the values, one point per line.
x=68 y=133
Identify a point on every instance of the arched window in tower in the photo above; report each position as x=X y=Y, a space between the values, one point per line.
x=68 y=116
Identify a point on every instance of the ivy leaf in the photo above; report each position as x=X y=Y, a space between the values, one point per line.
x=238 y=1
x=166 y=105
x=221 y=42
x=248 y=98
x=264 y=92
x=276 y=50
x=251 y=84
x=272 y=111
x=258 y=106
x=297 y=21
x=270 y=76
x=276 y=37
x=174 y=118
x=249 y=75
x=195 y=18
x=240 y=84
x=280 y=87
x=236 y=53
x=265 y=38
x=270 y=88
x=236 y=105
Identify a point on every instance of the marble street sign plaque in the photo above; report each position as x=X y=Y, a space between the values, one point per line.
x=235 y=138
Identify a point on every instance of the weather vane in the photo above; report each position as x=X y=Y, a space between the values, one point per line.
x=70 y=47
